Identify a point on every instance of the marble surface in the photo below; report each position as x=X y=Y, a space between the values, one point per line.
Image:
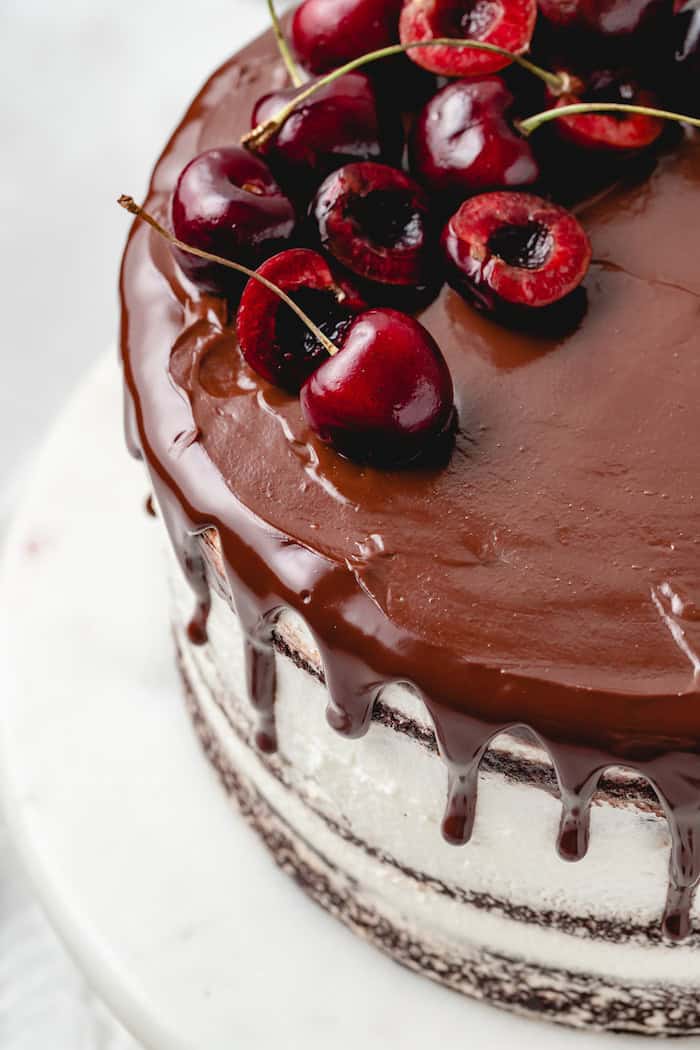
x=164 y=896
x=90 y=90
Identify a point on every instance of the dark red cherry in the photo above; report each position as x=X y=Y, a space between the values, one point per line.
x=505 y=23
x=463 y=142
x=515 y=250
x=328 y=33
x=608 y=131
x=607 y=18
x=375 y=220
x=386 y=397
x=227 y=202
x=273 y=340
x=620 y=18
x=339 y=124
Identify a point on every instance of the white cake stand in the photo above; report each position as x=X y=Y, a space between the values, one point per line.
x=170 y=904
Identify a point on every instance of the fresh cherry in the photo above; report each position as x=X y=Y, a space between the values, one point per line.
x=328 y=33
x=463 y=143
x=226 y=202
x=606 y=32
x=341 y=123
x=386 y=397
x=508 y=24
x=376 y=222
x=608 y=131
x=608 y=18
x=273 y=340
x=510 y=252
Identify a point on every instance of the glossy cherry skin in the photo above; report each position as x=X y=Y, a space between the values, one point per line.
x=506 y=23
x=341 y=123
x=328 y=33
x=227 y=202
x=376 y=221
x=515 y=250
x=608 y=131
x=275 y=342
x=463 y=143
x=386 y=397
x=607 y=19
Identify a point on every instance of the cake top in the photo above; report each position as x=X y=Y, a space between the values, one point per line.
x=559 y=541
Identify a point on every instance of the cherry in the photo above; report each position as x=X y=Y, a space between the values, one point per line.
x=515 y=250
x=328 y=33
x=273 y=340
x=608 y=131
x=226 y=202
x=340 y=123
x=607 y=18
x=508 y=24
x=463 y=143
x=375 y=221
x=386 y=397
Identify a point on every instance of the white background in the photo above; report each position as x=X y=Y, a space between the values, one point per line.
x=89 y=92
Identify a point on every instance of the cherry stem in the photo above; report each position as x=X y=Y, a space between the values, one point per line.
x=130 y=205
x=531 y=124
x=284 y=50
x=263 y=132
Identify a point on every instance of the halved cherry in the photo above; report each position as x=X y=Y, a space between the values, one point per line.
x=506 y=23
x=515 y=249
x=608 y=131
x=376 y=221
x=273 y=340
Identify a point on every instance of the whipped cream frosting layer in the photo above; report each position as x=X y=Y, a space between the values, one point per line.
x=548 y=575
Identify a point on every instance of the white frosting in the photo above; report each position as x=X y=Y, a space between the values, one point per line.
x=389 y=791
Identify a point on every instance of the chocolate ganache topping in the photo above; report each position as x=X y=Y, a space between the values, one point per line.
x=545 y=577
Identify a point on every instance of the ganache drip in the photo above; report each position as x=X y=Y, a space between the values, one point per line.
x=463 y=741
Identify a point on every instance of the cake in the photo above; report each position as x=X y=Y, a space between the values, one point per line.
x=363 y=648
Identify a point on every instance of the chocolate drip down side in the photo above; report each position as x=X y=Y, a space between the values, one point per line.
x=183 y=392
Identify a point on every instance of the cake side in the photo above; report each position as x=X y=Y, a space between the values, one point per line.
x=355 y=824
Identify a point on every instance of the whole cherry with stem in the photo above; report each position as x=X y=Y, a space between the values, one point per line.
x=267 y=129
x=345 y=120
x=384 y=396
